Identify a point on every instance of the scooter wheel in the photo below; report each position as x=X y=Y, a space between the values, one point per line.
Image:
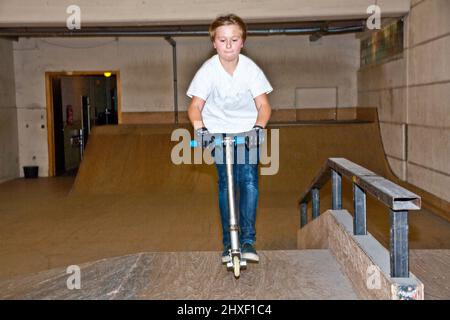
x=237 y=266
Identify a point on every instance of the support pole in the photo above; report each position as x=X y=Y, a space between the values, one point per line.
x=175 y=78
x=336 y=183
x=399 y=244
x=359 y=205
x=303 y=214
x=315 y=202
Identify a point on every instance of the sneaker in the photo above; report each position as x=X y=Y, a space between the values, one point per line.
x=226 y=254
x=249 y=253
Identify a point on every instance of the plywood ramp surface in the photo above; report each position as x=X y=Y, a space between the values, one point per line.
x=432 y=267
x=129 y=197
x=130 y=160
x=311 y=274
x=136 y=159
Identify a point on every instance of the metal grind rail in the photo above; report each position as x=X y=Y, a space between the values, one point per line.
x=398 y=199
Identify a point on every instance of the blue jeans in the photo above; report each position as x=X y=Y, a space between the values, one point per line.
x=245 y=177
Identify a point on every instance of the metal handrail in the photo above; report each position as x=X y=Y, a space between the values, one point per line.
x=397 y=198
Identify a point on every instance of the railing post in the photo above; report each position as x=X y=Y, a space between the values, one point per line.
x=399 y=244
x=336 y=186
x=359 y=205
x=303 y=214
x=315 y=194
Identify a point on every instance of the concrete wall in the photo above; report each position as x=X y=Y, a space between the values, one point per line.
x=138 y=12
x=145 y=66
x=9 y=157
x=330 y=62
x=412 y=95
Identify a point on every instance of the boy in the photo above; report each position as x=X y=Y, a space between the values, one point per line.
x=229 y=96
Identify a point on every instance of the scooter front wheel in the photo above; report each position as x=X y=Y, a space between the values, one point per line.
x=236 y=266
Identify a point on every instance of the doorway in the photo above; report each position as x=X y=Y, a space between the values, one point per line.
x=76 y=103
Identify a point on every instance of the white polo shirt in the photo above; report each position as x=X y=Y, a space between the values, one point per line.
x=229 y=106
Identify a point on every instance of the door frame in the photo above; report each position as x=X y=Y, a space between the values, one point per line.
x=49 y=76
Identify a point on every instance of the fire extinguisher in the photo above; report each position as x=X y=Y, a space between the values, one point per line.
x=69 y=115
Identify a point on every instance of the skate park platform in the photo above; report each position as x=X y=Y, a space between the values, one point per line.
x=129 y=200
x=281 y=274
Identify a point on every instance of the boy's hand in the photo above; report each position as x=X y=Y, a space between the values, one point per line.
x=203 y=137
x=255 y=137
x=201 y=131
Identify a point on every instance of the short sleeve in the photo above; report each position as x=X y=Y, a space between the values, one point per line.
x=260 y=85
x=201 y=84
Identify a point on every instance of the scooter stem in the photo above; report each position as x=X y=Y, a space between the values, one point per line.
x=234 y=228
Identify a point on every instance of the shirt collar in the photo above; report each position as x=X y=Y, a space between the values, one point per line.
x=225 y=71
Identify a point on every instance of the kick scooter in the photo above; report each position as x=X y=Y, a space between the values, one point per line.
x=236 y=262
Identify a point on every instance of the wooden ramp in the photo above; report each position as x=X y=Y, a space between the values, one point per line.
x=131 y=163
x=432 y=267
x=284 y=274
x=129 y=197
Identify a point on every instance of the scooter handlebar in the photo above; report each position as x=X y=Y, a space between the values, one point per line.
x=218 y=141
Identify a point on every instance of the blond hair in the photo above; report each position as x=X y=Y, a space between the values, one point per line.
x=227 y=20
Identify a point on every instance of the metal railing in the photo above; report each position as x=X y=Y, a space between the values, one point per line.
x=398 y=199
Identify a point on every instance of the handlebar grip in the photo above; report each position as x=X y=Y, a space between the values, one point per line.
x=239 y=140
